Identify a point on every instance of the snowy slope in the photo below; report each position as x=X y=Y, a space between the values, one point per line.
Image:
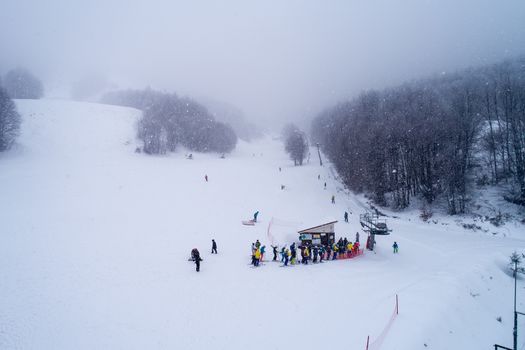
x=95 y=240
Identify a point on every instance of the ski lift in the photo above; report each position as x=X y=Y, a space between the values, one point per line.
x=373 y=225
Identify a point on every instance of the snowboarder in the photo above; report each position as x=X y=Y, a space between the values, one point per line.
x=213 y=247
x=206 y=178
x=396 y=248
x=196 y=257
x=255 y=215
x=346 y=216
x=357 y=237
x=333 y=199
x=274 y=247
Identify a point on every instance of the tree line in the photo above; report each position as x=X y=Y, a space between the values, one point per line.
x=169 y=121
x=18 y=83
x=432 y=138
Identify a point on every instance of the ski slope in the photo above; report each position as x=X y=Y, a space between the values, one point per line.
x=95 y=239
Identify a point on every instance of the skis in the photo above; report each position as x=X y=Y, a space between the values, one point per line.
x=248 y=222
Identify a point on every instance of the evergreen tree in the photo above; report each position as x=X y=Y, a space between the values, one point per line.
x=9 y=121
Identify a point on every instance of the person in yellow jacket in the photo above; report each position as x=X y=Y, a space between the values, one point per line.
x=287 y=255
x=257 y=256
x=306 y=255
x=335 y=248
x=349 y=248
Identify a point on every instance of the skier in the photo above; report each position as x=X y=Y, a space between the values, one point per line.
x=257 y=256
x=213 y=247
x=325 y=185
x=357 y=236
x=333 y=199
x=335 y=249
x=306 y=255
x=321 y=253
x=319 y=177
x=396 y=248
x=279 y=168
x=196 y=257
x=293 y=254
x=255 y=215
x=350 y=248
x=274 y=247
x=287 y=255
x=263 y=250
x=316 y=253
x=346 y=216
x=206 y=178
x=283 y=252
x=257 y=244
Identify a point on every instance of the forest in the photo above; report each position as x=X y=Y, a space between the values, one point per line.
x=434 y=138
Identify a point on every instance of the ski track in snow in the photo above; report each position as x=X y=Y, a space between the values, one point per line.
x=95 y=240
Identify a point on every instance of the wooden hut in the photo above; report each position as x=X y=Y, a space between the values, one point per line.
x=318 y=235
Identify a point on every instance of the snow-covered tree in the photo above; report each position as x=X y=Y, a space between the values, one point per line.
x=169 y=121
x=9 y=121
x=20 y=83
x=296 y=143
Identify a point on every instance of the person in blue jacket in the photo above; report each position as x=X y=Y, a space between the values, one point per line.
x=255 y=215
x=396 y=248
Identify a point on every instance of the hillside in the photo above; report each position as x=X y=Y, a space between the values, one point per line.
x=95 y=240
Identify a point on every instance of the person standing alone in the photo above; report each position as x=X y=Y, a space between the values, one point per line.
x=213 y=247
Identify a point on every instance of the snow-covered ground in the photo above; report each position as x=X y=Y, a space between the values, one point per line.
x=95 y=238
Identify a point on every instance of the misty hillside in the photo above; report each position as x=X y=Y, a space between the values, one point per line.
x=95 y=245
x=262 y=175
x=231 y=115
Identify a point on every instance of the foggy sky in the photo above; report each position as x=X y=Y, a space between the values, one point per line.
x=274 y=59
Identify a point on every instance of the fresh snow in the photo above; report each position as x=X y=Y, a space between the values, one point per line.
x=95 y=243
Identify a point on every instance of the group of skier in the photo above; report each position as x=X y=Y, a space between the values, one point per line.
x=307 y=252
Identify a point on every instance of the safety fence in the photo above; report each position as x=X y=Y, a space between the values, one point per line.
x=376 y=343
